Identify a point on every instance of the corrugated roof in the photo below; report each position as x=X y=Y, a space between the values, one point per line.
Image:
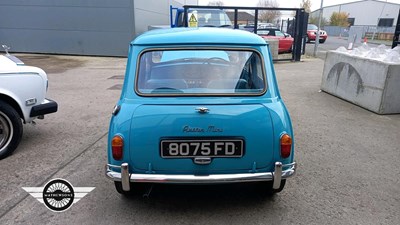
x=356 y=2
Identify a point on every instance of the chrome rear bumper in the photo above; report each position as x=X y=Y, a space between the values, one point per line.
x=126 y=178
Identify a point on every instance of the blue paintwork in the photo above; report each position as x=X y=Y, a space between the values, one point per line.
x=174 y=21
x=200 y=36
x=143 y=121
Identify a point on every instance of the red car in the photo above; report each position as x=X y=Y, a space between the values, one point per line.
x=312 y=34
x=285 y=40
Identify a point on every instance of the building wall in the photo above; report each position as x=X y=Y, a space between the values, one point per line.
x=81 y=27
x=84 y=27
x=155 y=12
x=364 y=12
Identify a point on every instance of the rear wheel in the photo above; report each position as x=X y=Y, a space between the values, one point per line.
x=136 y=188
x=10 y=129
x=307 y=39
x=266 y=187
x=322 y=41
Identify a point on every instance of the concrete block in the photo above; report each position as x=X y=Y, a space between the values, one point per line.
x=371 y=84
x=274 y=46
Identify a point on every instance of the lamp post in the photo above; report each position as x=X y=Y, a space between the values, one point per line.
x=319 y=25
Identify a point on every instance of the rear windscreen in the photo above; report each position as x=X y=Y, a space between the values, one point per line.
x=200 y=72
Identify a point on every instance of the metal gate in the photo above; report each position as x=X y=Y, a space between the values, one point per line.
x=299 y=28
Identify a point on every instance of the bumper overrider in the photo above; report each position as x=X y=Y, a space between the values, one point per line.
x=126 y=178
x=48 y=106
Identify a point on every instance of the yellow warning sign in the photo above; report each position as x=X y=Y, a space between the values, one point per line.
x=192 y=21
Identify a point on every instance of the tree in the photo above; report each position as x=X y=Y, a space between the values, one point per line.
x=268 y=16
x=216 y=3
x=339 y=19
x=314 y=20
x=306 y=4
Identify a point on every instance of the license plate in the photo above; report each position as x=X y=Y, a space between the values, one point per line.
x=201 y=148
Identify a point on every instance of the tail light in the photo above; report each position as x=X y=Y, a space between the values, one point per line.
x=286 y=145
x=117 y=147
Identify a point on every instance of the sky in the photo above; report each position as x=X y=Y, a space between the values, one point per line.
x=315 y=4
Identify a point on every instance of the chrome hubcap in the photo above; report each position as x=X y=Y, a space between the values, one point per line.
x=6 y=131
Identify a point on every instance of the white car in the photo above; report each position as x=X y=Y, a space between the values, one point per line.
x=22 y=99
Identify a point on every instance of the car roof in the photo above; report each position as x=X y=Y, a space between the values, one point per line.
x=268 y=28
x=203 y=35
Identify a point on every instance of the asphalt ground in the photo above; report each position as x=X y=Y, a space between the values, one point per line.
x=348 y=159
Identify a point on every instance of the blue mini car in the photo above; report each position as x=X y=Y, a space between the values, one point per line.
x=200 y=106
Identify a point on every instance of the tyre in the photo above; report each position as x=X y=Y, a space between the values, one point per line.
x=136 y=189
x=10 y=129
x=322 y=41
x=266 y=187
x=307 y=39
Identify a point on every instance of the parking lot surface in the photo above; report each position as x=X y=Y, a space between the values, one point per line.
x=347 y=157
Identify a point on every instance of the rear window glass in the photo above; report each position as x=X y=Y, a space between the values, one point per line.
x=312 y=27
x=278 y=33
x=200 y=72
x=263 y=32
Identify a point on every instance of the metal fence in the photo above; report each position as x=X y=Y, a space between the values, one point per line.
x=337 y=31
x=344 y=31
